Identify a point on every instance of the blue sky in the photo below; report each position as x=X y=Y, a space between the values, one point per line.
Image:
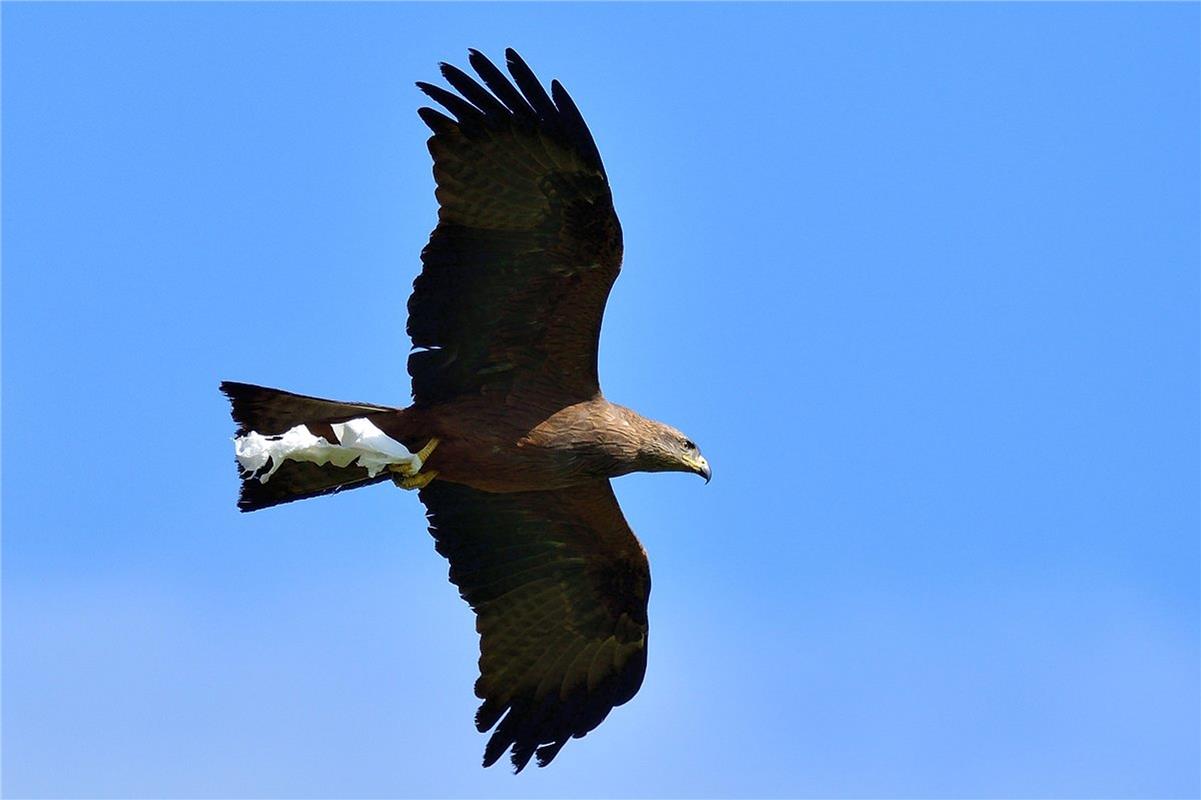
x=922 y=280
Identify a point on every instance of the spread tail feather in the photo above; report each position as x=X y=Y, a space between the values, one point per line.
x=271 y=412
x=300 y=481
x=274 y=411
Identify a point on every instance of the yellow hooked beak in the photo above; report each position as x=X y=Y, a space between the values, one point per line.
x=701 y=467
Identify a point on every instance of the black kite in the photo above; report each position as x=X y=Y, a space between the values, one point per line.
x=509 y=438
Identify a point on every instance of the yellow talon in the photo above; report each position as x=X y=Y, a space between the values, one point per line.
x=418 y=481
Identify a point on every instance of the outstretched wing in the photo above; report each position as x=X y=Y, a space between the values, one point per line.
x=527 y=247
x=559 y=584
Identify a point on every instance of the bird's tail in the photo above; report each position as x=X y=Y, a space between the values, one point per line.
x=267 y=419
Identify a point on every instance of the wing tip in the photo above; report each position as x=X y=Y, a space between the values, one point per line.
x=526 y=101
x=547 y=753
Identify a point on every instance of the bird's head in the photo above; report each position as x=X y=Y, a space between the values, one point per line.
x=671 y=451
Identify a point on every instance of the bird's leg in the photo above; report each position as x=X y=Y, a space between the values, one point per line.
x=416 y=479
x=424 y=453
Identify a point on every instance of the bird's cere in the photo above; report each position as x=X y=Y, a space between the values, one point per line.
x=358 y=439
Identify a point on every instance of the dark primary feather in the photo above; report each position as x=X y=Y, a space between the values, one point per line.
x=531 y=88
x=559 y=584
x=477 y=95
x=495 y=80
x=573 y=121
x=465 y=113
x=518 y=270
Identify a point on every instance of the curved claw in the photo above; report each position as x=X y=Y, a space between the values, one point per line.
x=418 y=481
x=410 y=476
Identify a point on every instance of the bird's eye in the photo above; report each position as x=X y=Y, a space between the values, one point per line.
x=688 y=445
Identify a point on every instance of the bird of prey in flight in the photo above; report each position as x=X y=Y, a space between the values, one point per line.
x=509 y=440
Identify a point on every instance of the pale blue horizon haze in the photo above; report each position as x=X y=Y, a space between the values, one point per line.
x=921 y=280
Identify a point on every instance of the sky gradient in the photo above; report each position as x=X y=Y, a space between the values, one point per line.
x=921 y=280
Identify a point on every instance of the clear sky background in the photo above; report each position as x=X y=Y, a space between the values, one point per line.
x=922 y=280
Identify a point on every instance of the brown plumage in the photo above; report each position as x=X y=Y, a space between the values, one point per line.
x=505 y=319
